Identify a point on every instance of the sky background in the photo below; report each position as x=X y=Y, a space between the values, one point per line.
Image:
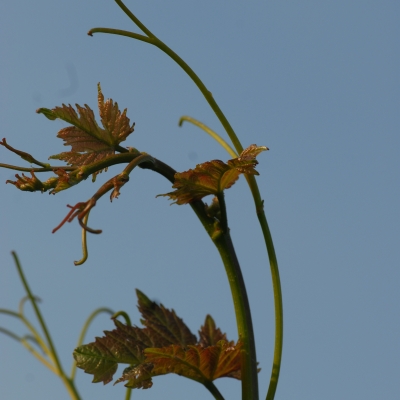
x=316 y=82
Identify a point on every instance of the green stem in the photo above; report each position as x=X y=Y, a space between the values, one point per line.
x=222 y=208
x=25 y=343
x=47 y=169
x=260 y=214
x=121 y=32
x=38 y=313
x=22 y=303
x=213 y=390
x=208 y=130
x=199 y=83
x=69 y=384
x=12 y=335
x=135 y=20
x=31 y=328
x=86 y=170
x=124 y=315
x=45 y=362
x=223 y=242
x=253 y=187
x=25 y=156
x=272 y=257
x=243 y=315
x=128 y=393
x=276 y=284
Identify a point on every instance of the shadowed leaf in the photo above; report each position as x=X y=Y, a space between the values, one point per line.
x=89 y=142
x=123 y=345
x=165 y=325
x=165 y=345
x=213 y=177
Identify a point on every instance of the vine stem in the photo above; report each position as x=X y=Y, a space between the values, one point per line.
x=276 y=284
x=243 y=315
x=260 y=214
x=259 y=204
x=69 y=384
x=213 y=390
x=219 y=234
x=271 y=254
x=24 y=341
x=128 y=393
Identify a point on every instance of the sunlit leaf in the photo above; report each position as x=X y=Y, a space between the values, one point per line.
x=89 y=142
x=210 y=334
x=213 y=177
x=197 y=362
x=202 y=364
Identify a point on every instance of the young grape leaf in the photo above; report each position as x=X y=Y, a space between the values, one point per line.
x=165 y=345
x=197 y=362
x=139 y=376
x=213 y=177
x=164 y=324
x=202 y=364
x=33 y=184
x=125 y=344
x=210 y=334
x=89 y=142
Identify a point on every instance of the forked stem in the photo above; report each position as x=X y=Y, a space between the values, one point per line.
x=69 y=384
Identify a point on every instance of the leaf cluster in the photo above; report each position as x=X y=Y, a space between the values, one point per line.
x=164 y=345
x=92 y=147
x=93 y=150
x=89 y=142
x=213 y=177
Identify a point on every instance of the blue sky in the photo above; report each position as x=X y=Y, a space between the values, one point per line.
x=316 y=82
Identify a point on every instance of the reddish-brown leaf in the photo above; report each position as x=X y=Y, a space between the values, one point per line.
x=210 y=334
x=202 y=364
x=213 y=177
x=197 y=362
x=164 y=346
x=89 y=142
x=125 y=344
x=165 y=325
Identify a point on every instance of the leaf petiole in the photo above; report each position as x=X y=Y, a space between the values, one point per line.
x=23 y=155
